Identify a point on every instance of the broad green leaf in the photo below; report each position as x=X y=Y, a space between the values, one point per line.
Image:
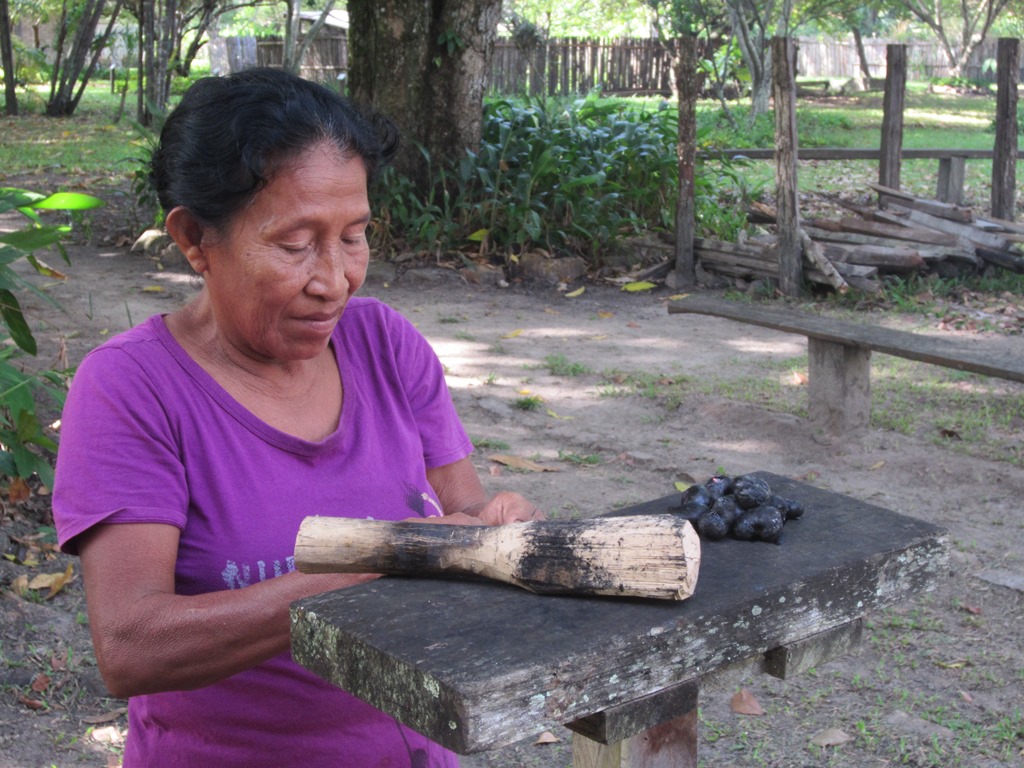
x=69 y=201
x=11 y=197
x=10 y=309
x=640 y=285
x=36 y=237
x=478 y=236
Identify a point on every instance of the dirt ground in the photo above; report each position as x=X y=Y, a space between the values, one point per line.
x=938 y=680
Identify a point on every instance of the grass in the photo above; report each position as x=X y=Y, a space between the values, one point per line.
x=558 y=365
x=87 y=143
x=965 y=413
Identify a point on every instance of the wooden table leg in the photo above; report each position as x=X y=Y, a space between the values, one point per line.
x=669 y=745
x=838 y=386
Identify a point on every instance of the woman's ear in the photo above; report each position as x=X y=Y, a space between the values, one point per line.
x=187 y=232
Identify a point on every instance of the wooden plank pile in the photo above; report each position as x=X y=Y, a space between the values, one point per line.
x=905 y=234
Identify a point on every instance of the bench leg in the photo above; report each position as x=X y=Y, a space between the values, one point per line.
x=950 y=188
x=669 y=745
x=839 y=386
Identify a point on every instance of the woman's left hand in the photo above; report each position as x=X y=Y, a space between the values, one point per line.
x=507 y=507
x=465 y=503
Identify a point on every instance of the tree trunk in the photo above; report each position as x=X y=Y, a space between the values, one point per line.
x=295 y=49
x=71 y=71
x=7 y=61
x=425 y=65
x=750 y=36
x=862 y=55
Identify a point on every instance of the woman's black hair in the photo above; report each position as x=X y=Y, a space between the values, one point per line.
x=228 y=136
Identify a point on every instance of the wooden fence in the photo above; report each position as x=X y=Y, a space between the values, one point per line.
x=326 y=59
x=925 y=59
x=568 y=66
x=577 y=65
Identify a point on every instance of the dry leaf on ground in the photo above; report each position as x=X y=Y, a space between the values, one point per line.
x=831 y=737
x=106 y=717
x=518 y=462
x=745 y=703
x=547 y=738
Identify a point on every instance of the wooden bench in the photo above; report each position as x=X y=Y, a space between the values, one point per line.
x=839 y=356
x=478 y=665
x=952 y=162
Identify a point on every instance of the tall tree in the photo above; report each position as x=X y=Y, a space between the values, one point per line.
x=295 y=43
x=77 y=50
x=960 y=29
x=424 y=64
x=7 y=60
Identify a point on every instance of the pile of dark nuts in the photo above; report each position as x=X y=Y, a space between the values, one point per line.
x=743 y=507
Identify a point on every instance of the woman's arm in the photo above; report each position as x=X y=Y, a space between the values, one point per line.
x=148 y=639
x=460 y=492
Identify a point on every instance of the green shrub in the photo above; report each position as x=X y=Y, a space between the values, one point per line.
x=568 y=176
x=23 y=440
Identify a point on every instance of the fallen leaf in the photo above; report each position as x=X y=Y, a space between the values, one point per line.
x=632 y=325
x=547 y=738
x=106 y=717
x=152 y=289
x=966 y=697
x=681 y=486
x=512 y=334
x=53 y=581
x=20 y=585
x=605 y=315
x=495 y=470
x=523 y=391
x=31 y=703
x=831 y=737
x=577 y=292
x=877 y=465
x=18 y=491
x=955 y=664
x=799 y=378
x=638 y=285
x=518 y=462
x=40 y=682
x=745 y=703
x=677 y=296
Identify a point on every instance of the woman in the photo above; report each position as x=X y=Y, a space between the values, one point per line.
x=193 y=445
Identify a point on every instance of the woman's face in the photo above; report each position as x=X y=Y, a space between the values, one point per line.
x=280 y=276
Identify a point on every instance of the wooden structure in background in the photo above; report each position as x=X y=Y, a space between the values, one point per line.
x=786 y=195
x=688 y=84
x=1004 y=165
x=892 y=116
x=797 y=255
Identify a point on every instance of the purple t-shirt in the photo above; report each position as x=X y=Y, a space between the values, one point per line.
x=149 y=437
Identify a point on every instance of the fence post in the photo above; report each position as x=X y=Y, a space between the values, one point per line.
x=1004 y=159
x=787 y=202
x=892 y=115
x=688 y=88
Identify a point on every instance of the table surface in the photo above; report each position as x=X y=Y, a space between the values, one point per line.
x=477 y=665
